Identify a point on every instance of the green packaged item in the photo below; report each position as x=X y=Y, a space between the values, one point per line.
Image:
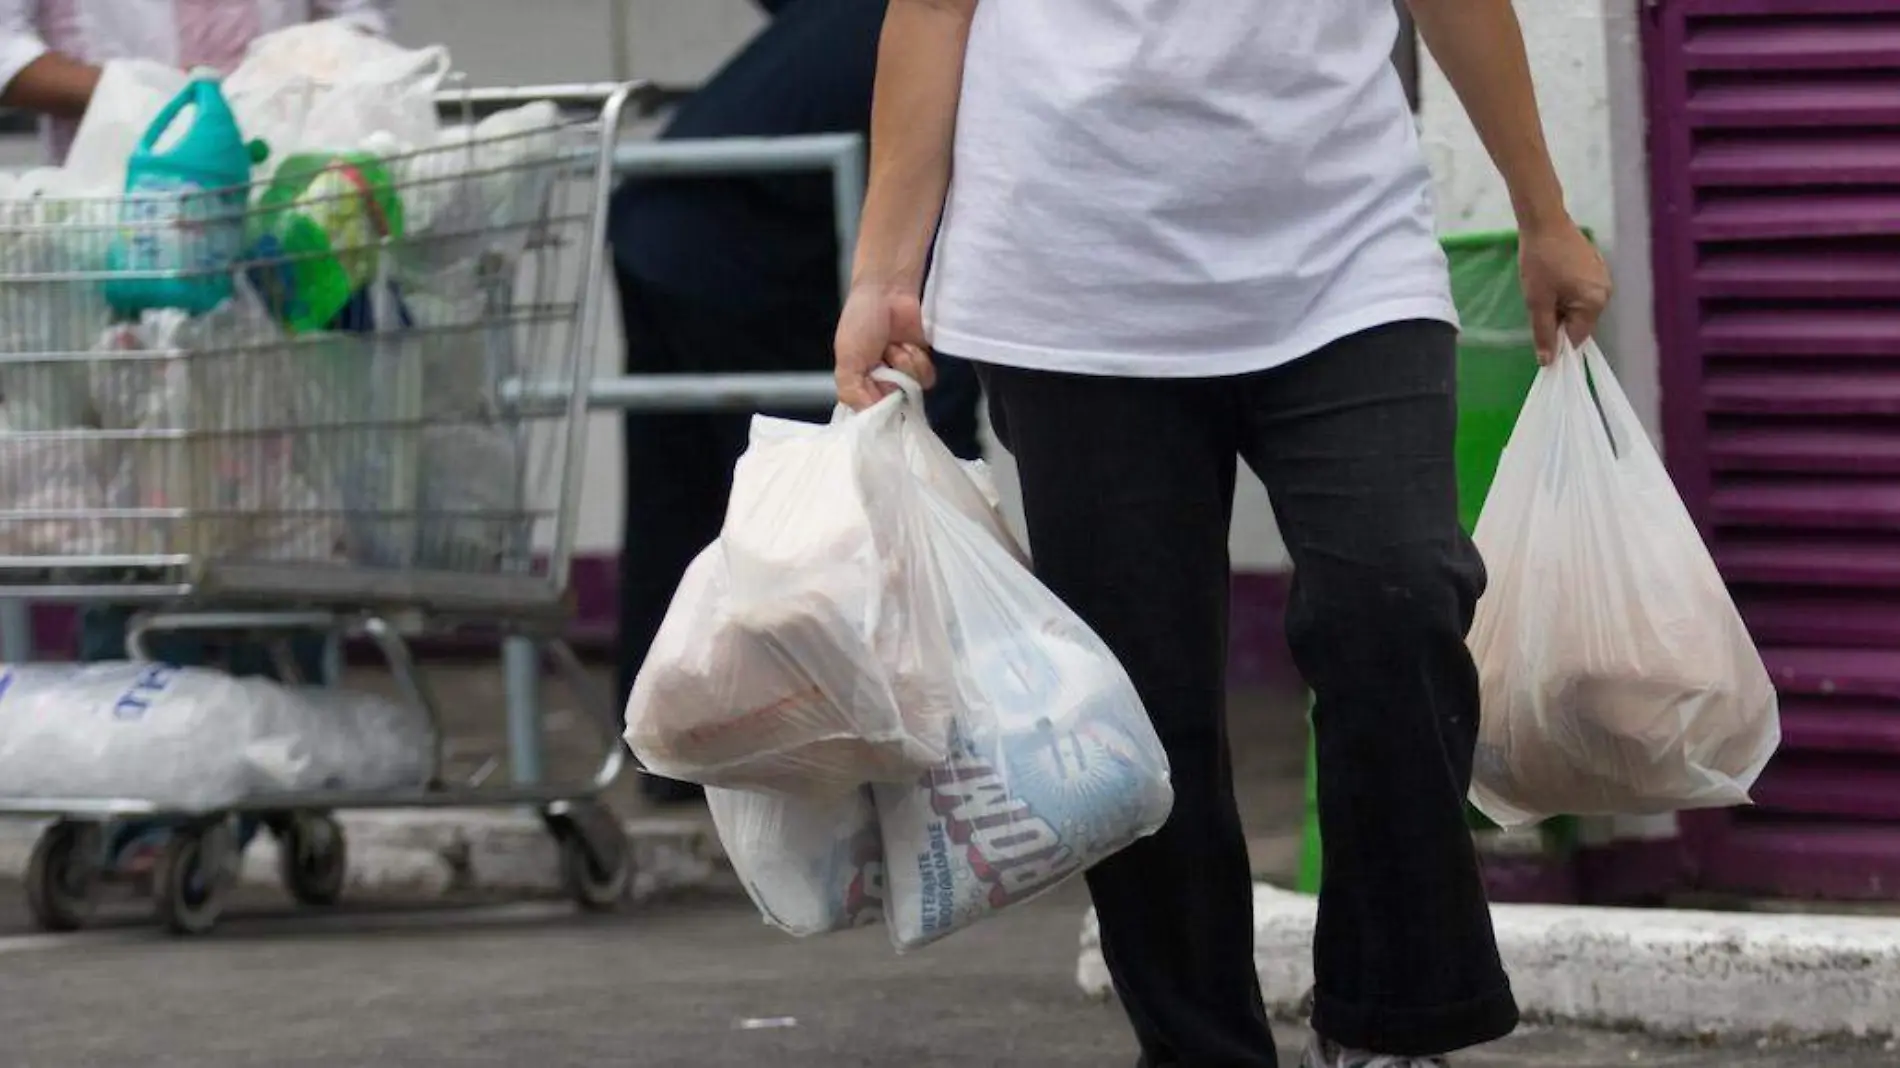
x=320 y=229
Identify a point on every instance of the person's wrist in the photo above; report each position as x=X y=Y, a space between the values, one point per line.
x=1541 y=214
x=882 y=285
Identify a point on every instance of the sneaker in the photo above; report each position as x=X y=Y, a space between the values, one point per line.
x=1323 y=1054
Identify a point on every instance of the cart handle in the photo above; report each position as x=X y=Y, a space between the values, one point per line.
x=575 y=96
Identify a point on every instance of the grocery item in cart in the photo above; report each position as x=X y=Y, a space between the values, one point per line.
x=182 y=219
x=475 y=192
x=472 y=497
x=190 y=738
x=327 y=86
x=45 y=241
x=59 y=480
x=218 y=398
x=811 y=866
x=319 y=228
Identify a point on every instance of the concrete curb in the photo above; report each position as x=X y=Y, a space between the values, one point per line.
x=436 y=854
x=1673 y=974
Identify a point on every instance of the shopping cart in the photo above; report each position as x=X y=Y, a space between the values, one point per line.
x=237 y=475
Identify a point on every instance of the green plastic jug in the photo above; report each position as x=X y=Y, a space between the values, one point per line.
x=320 y=228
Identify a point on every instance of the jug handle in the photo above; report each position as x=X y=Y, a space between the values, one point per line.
x=163 y=123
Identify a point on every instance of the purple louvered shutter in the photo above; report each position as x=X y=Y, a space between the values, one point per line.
x=1775 y=140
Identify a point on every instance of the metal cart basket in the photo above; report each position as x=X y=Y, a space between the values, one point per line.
x=277 y=462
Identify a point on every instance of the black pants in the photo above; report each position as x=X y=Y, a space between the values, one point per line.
x=1129 y=489
x=679 y=466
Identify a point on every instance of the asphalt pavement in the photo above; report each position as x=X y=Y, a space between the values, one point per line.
x=687 y=983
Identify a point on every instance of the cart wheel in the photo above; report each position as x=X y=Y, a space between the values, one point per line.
x=192 y=877
x=62 y=879
x=595 y=874
x=315 y=858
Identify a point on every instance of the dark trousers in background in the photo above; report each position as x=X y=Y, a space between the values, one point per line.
x=679 y=465
x=1129 y=488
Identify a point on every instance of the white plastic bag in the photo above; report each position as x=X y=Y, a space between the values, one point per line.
x=195 y=738
x=43 y=324
x=812 y=867
x=1054 y=764
x=330 y=85
x=472 y=494
x=228 y=378
x=806 y=651
x=130 y=94
x=1617 y=675
x=63 y=479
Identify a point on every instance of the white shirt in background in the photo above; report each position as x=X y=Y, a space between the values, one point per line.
x=1181 y=188
x=182 y=33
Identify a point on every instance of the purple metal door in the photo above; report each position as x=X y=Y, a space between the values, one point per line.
x=1775 y=142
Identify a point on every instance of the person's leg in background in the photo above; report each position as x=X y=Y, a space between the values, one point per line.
x=1354 y=444
x=1128 y=487
x=679 y=465
x=673 y=501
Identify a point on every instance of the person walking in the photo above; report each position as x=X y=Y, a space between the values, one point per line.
x=1177 y=235
x=51 y=55
x=731 y=275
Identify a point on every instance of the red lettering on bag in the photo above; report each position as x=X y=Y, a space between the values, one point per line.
x=1006 y=845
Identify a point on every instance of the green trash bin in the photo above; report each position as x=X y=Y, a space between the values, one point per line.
x=1497 y=361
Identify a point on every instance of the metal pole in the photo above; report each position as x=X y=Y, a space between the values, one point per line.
x=16 y=631
x=847 y=195
x=521 y=680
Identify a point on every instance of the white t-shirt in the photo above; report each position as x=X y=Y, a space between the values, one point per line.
x=1181 y=188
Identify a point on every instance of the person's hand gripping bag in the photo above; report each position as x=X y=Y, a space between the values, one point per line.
x=1616 y=675
x=805 y=652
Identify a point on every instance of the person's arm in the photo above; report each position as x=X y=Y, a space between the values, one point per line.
x=1480 y=46
x=372 y=15
x=913 y=123
x=35 y=78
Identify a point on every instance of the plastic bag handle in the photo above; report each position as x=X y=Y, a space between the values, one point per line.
x=1590 y=374
x=912 y=389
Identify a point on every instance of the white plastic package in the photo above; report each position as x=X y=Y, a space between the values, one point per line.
x=812 y=867
x=256 y=490
x=193 y=738
x=806 y=651
x=330 y=86
x=130 y=95
x=63 y=480
x=1617 y=676
x=1054 y=765
x=46 y=236
x=471 y=492
x=474 y=190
